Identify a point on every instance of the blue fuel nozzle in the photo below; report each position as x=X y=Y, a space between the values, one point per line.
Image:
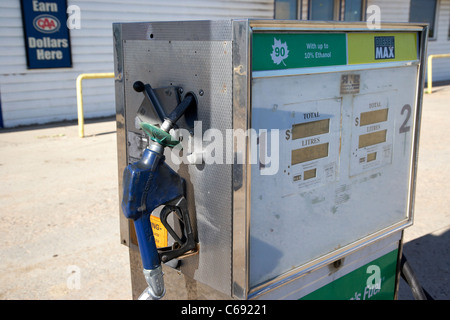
x=148 y=184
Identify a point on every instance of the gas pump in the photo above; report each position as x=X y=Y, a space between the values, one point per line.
x=302 y=174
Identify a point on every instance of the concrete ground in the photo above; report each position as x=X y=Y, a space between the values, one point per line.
x=59 y=214
x=427 y=242
x=59 y=211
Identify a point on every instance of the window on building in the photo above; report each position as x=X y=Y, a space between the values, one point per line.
x=353 y=10
x=321 y=10
x=325 y=10
x=286 y=9
x=424 y=11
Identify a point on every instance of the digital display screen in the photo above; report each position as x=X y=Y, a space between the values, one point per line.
x=371 y=156
x=375 y=116
x=370 y=139
x=309 y=153
x=309 y=174
x=308 y=129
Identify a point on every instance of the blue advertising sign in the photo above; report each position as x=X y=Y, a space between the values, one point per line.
x=47 y=38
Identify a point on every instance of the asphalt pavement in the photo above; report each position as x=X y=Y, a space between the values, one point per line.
x=59 y=211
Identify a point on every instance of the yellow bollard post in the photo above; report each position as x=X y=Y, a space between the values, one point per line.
x=429 y=75
x=80 y=110
x=430 y=69
x=80 y=107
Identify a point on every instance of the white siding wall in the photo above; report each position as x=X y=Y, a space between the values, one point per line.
x=441 y=67
x=392 y=11
x=398 y=11
x=46 y=95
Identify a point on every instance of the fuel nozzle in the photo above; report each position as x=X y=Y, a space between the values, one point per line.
x=155 y=281
x=150 y=183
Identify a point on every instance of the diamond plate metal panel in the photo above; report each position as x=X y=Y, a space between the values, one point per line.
x=197 y=66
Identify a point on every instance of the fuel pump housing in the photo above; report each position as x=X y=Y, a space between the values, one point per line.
x=299 y=161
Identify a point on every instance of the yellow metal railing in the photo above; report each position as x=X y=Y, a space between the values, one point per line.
x=80 y=78
x=430 y=68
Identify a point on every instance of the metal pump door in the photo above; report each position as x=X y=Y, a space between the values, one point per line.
x=301 y=160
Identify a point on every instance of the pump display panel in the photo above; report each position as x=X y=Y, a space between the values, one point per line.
x=342 y=174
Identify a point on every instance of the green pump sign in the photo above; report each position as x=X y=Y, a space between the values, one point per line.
x=277 y=51
x=373 y=281
x=280 y=51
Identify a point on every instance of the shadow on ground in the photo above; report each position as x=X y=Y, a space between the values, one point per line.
x=429 y=257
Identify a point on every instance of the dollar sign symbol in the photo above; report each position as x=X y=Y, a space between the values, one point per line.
x=288 y=134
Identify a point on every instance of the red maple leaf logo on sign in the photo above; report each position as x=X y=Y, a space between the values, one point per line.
x=280 y=52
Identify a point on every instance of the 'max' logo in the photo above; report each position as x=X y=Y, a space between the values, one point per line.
x=384 y=48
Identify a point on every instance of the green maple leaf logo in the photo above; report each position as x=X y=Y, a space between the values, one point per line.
x=280 y=52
